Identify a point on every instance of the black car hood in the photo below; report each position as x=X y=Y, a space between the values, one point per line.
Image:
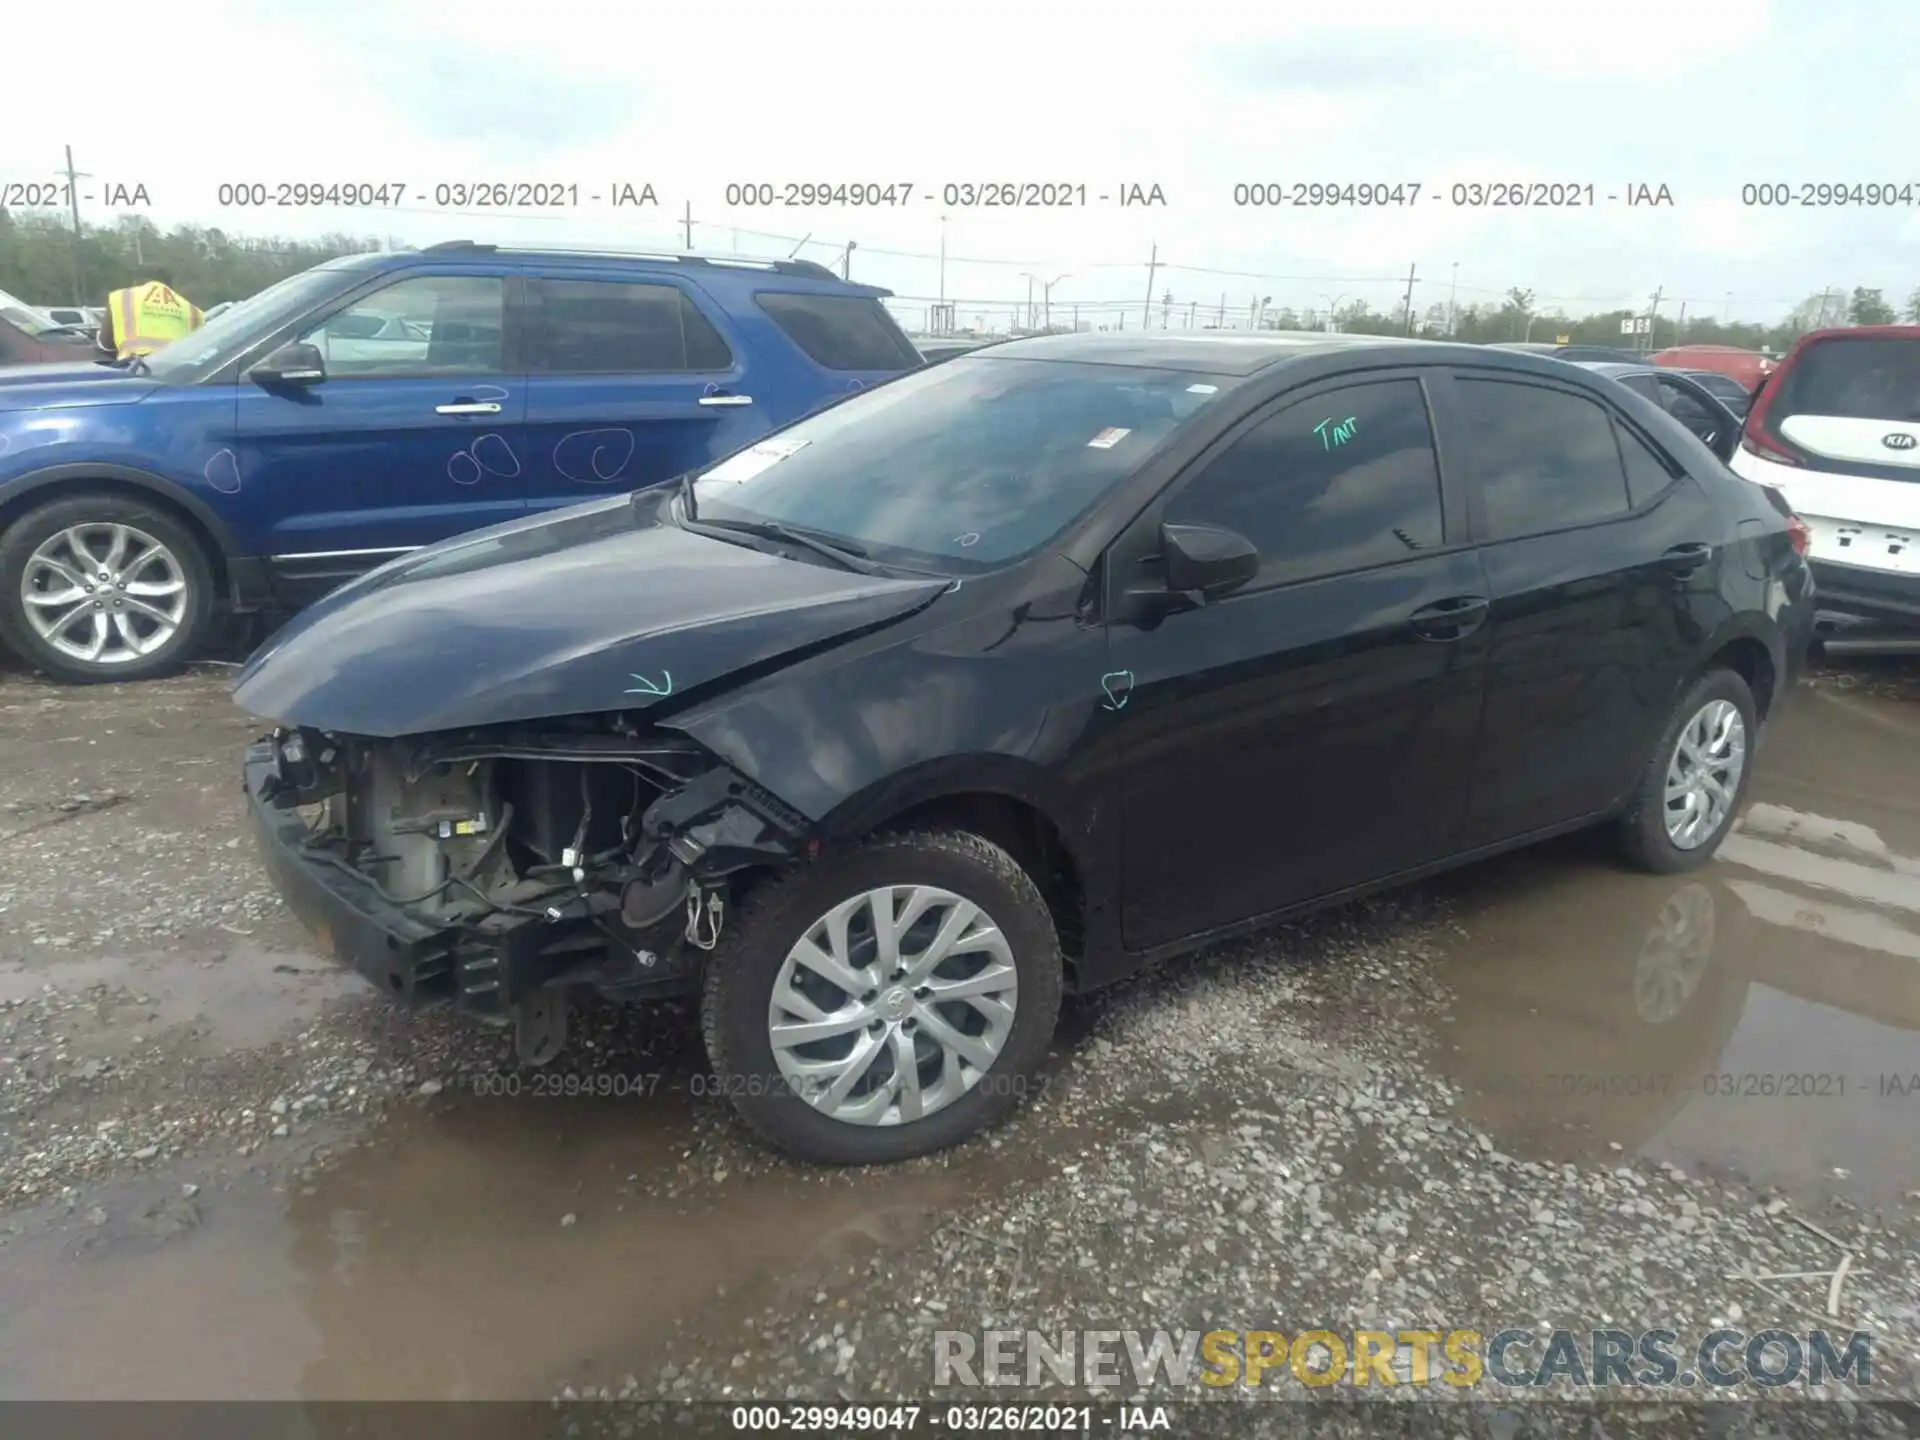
x=590 y=609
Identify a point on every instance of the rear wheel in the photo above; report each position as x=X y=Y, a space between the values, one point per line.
x=1695 y=779
x=103 y=587
x=885 y=1002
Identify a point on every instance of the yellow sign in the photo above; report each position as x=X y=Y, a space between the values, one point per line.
x=1563 y=339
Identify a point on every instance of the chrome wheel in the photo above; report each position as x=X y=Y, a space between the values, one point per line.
x=1703 y=774
x=892 y=1005
x=106 y=593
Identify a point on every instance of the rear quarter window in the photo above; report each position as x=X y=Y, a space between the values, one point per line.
x=841 y=332
x=1866 y=379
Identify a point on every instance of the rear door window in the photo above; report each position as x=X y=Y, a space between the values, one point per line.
x=1345 y=479
x=1545 y=458
x=841 y=332
x=1864 y=379
x=617 y=327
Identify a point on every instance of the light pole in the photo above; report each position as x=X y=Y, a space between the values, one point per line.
x=1333 y=310
x=1046 y=300
x=943 y=259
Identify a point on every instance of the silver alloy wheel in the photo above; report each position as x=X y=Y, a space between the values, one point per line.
x=105 y=593
x=1703 y=774
x=892 y=1005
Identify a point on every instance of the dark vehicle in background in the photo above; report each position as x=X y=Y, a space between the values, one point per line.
x=378 y=403
x=1836 y=429
x=1724 y=388
x=1687 y=400
x=1009 y=677
x=1749 y=367
x=27 y=338
x=1574 y=354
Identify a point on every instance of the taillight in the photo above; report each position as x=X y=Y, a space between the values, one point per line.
x=1799 y=534
x=1755 y=437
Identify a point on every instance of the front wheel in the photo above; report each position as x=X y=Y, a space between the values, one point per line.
x=103 y=587
x=887 y=1001
x=1695 y=779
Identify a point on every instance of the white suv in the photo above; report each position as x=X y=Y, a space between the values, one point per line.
x=1836 y=429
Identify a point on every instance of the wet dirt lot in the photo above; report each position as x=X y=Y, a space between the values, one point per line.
x=1539 y=1090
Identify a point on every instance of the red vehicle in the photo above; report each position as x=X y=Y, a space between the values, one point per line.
x=1749 y=367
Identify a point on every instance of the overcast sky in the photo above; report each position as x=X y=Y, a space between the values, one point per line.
x=1698 y=95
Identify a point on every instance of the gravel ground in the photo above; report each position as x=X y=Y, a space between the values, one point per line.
x=1252 y=1141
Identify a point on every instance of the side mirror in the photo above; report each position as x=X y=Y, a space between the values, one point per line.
x=292 y=364
x=1205 y=561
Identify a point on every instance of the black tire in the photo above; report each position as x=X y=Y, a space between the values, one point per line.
x=1642 y=828
x=29 y=532
x=741 y=976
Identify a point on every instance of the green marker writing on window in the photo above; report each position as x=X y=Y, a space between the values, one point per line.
x=1340 y=434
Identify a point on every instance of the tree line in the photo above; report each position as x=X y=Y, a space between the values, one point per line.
x=40 y=261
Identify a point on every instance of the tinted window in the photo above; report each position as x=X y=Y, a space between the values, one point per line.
x=1724 y=386
x=1644 y=386
x=959 y=467
x=1855 y=379
x=1647 y=473
x=1686 y=407
x=842 y=332
x=613 y=327
x=1342 y=480
x=427 y=325
x=1545 y=458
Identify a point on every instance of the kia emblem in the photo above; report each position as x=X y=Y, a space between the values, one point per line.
x=1899 y=440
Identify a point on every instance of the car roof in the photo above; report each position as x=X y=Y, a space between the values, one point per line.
x=1618 y=368
x=1218 y=352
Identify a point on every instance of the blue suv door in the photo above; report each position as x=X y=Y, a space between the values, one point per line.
x=415 y=434
x=630 y=381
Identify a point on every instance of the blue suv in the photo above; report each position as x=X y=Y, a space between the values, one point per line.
x=378 y=403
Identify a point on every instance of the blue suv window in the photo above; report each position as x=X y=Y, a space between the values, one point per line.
x=423 y=326
x=591 y=327
x=841 y=332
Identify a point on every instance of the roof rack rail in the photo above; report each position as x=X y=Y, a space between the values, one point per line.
x=811 y=269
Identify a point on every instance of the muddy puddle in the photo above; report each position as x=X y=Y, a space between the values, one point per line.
x=1760 y=1016
x=476 y=1250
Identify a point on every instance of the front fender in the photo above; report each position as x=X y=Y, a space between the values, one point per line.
x=51 y=479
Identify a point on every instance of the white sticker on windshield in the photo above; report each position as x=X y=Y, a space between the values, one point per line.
x=1203 y=389
x=1108 y=438
x=736 y=469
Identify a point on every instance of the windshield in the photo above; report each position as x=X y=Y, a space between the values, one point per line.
x=960 y=468
x=235 y=329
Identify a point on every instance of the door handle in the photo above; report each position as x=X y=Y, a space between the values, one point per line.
x=469 y=407
x=1685 y=559
x=1454 y=618
x=726 y=399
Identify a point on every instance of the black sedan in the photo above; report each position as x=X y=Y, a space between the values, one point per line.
x=1686 y=398
x=1008 y=677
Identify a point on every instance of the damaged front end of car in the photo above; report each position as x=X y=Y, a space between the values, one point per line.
x=494 y=869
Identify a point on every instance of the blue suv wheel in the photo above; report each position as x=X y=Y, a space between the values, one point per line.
x=99 y=586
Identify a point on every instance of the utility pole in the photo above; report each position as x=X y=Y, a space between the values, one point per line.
x=1029 y=302
x=1410 y=299
x=1826 y=298
x=73 y=199
x=846 y=260
x=688 y=223
x=1680 y=326
x=1453 y=293
x=1653 y=312
x=1153 y=265
x=1192 y=305
x=943 y=259
x=1221 y=323
x=1166 y=308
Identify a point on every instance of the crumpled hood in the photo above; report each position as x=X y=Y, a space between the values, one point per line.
x=35 y=387
x=590 y=609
